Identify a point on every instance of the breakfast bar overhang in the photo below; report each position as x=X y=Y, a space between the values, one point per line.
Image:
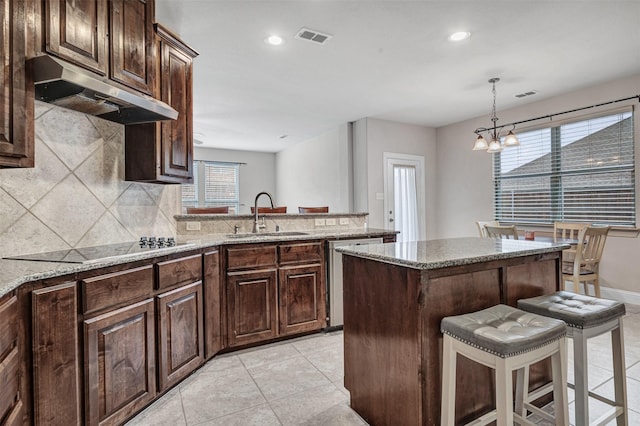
x=395 y=296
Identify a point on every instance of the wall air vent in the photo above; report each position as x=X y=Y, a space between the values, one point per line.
x=522 y=95
x=312 y=35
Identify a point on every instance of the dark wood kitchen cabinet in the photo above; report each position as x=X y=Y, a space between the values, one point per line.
x=56 y=358
x=16 y=92
x=112 y=38
x=120 y=374
x=274 y=290
x=119 y=344
x=133 y=57
x=11 y=404
x=163 y=152
x=78 y=32
x=180 y=320
x=301 y=293
x=213 y=322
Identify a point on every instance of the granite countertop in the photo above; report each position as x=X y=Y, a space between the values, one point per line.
x=435 y=254
x=13 y=273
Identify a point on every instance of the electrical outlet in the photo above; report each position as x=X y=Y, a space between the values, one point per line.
x=193 y=226
x=344 y=221
x=331 y=222
x=319 y=222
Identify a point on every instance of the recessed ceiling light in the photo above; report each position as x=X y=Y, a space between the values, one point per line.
x=274 y=40
x=459 y=36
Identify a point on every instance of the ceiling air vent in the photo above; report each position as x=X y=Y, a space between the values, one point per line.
x=522 y=95
x=312 y=35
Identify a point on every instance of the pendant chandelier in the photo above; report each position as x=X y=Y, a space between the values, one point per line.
x=496 y=143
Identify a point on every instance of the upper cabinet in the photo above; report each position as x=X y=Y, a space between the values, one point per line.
x=163 y=152
x=78 y=32
x=112 y=38
x=133 y=52
x=16 y=93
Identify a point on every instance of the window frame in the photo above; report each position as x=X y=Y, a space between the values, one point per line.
x=556 y=173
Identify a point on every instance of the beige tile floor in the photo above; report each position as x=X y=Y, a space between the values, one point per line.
x=299 y=382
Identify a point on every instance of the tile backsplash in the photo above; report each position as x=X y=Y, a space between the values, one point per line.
x=76 y=195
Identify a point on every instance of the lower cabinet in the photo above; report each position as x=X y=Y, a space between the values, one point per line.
x=274 y=290
x=11 y=406
x=251 y=306
x=56 y=359
x=180 y=333
x=120 y=374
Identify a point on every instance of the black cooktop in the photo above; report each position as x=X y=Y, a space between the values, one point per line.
x=93 y=254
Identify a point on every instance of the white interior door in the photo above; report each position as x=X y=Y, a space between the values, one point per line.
x=404 y=208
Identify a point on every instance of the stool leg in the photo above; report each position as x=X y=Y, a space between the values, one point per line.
x=448 y=403
x=559 y=372
x=522 y=391
x=619 y=373
x=581 y=370
x=504 y=393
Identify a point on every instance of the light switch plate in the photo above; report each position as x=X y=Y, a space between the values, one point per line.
x=331 y=222
x=319 y=222
x=379 y=195
x=193 y=226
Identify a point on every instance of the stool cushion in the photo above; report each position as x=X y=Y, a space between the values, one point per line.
x=503 y=330
x=577 y=310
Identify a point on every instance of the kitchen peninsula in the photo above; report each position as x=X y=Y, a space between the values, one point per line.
x=395 y=296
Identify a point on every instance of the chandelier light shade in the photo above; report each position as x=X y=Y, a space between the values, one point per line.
x=498 y=139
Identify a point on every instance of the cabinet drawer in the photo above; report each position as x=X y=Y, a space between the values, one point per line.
x=300 y=253
x=179 y=271
x=8 y=329
x=251 y=257
x=113 y=289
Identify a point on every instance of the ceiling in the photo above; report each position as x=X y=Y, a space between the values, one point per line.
x=389 y=60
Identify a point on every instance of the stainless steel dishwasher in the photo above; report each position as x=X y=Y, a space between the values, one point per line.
x=336 y=316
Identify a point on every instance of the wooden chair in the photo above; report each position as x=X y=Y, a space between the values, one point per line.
x=313 y=209
x=481 y=224
x=585 y=267
x=208 y=210
x=269 y=210
x=567 y=231
x=501 y=231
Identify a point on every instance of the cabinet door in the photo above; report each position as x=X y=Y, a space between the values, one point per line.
x=176 y=90
x=212 y=304
x=77 y=31
x=133 y=55
x=10 y=402
x=56 y=362
x=251 y=306
x=301 y=299
x=180 y=335
x=120 y=376
x=16 y=94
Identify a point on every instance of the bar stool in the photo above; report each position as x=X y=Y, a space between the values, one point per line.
x=505 y=339
x=588 y=317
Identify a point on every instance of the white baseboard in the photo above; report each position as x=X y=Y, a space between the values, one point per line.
x=624 y=296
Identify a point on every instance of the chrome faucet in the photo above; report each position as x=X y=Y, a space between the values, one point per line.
x=257 y=226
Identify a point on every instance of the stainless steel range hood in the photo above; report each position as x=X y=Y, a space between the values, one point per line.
x=67 y=85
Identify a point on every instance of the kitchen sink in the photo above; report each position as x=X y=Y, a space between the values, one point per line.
x=268 y=234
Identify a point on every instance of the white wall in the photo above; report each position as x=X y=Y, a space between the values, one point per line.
x=465 y=188
x=372 y=138
x=316 y=173
x=258 y=174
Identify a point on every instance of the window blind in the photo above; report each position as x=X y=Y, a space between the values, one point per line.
x=582 y=171
x=214 y=184
x=190 y=191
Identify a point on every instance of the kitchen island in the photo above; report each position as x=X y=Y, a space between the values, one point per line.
x=395 y=296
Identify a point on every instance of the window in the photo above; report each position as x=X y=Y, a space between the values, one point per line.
x=214 y=184
x=581 y=171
